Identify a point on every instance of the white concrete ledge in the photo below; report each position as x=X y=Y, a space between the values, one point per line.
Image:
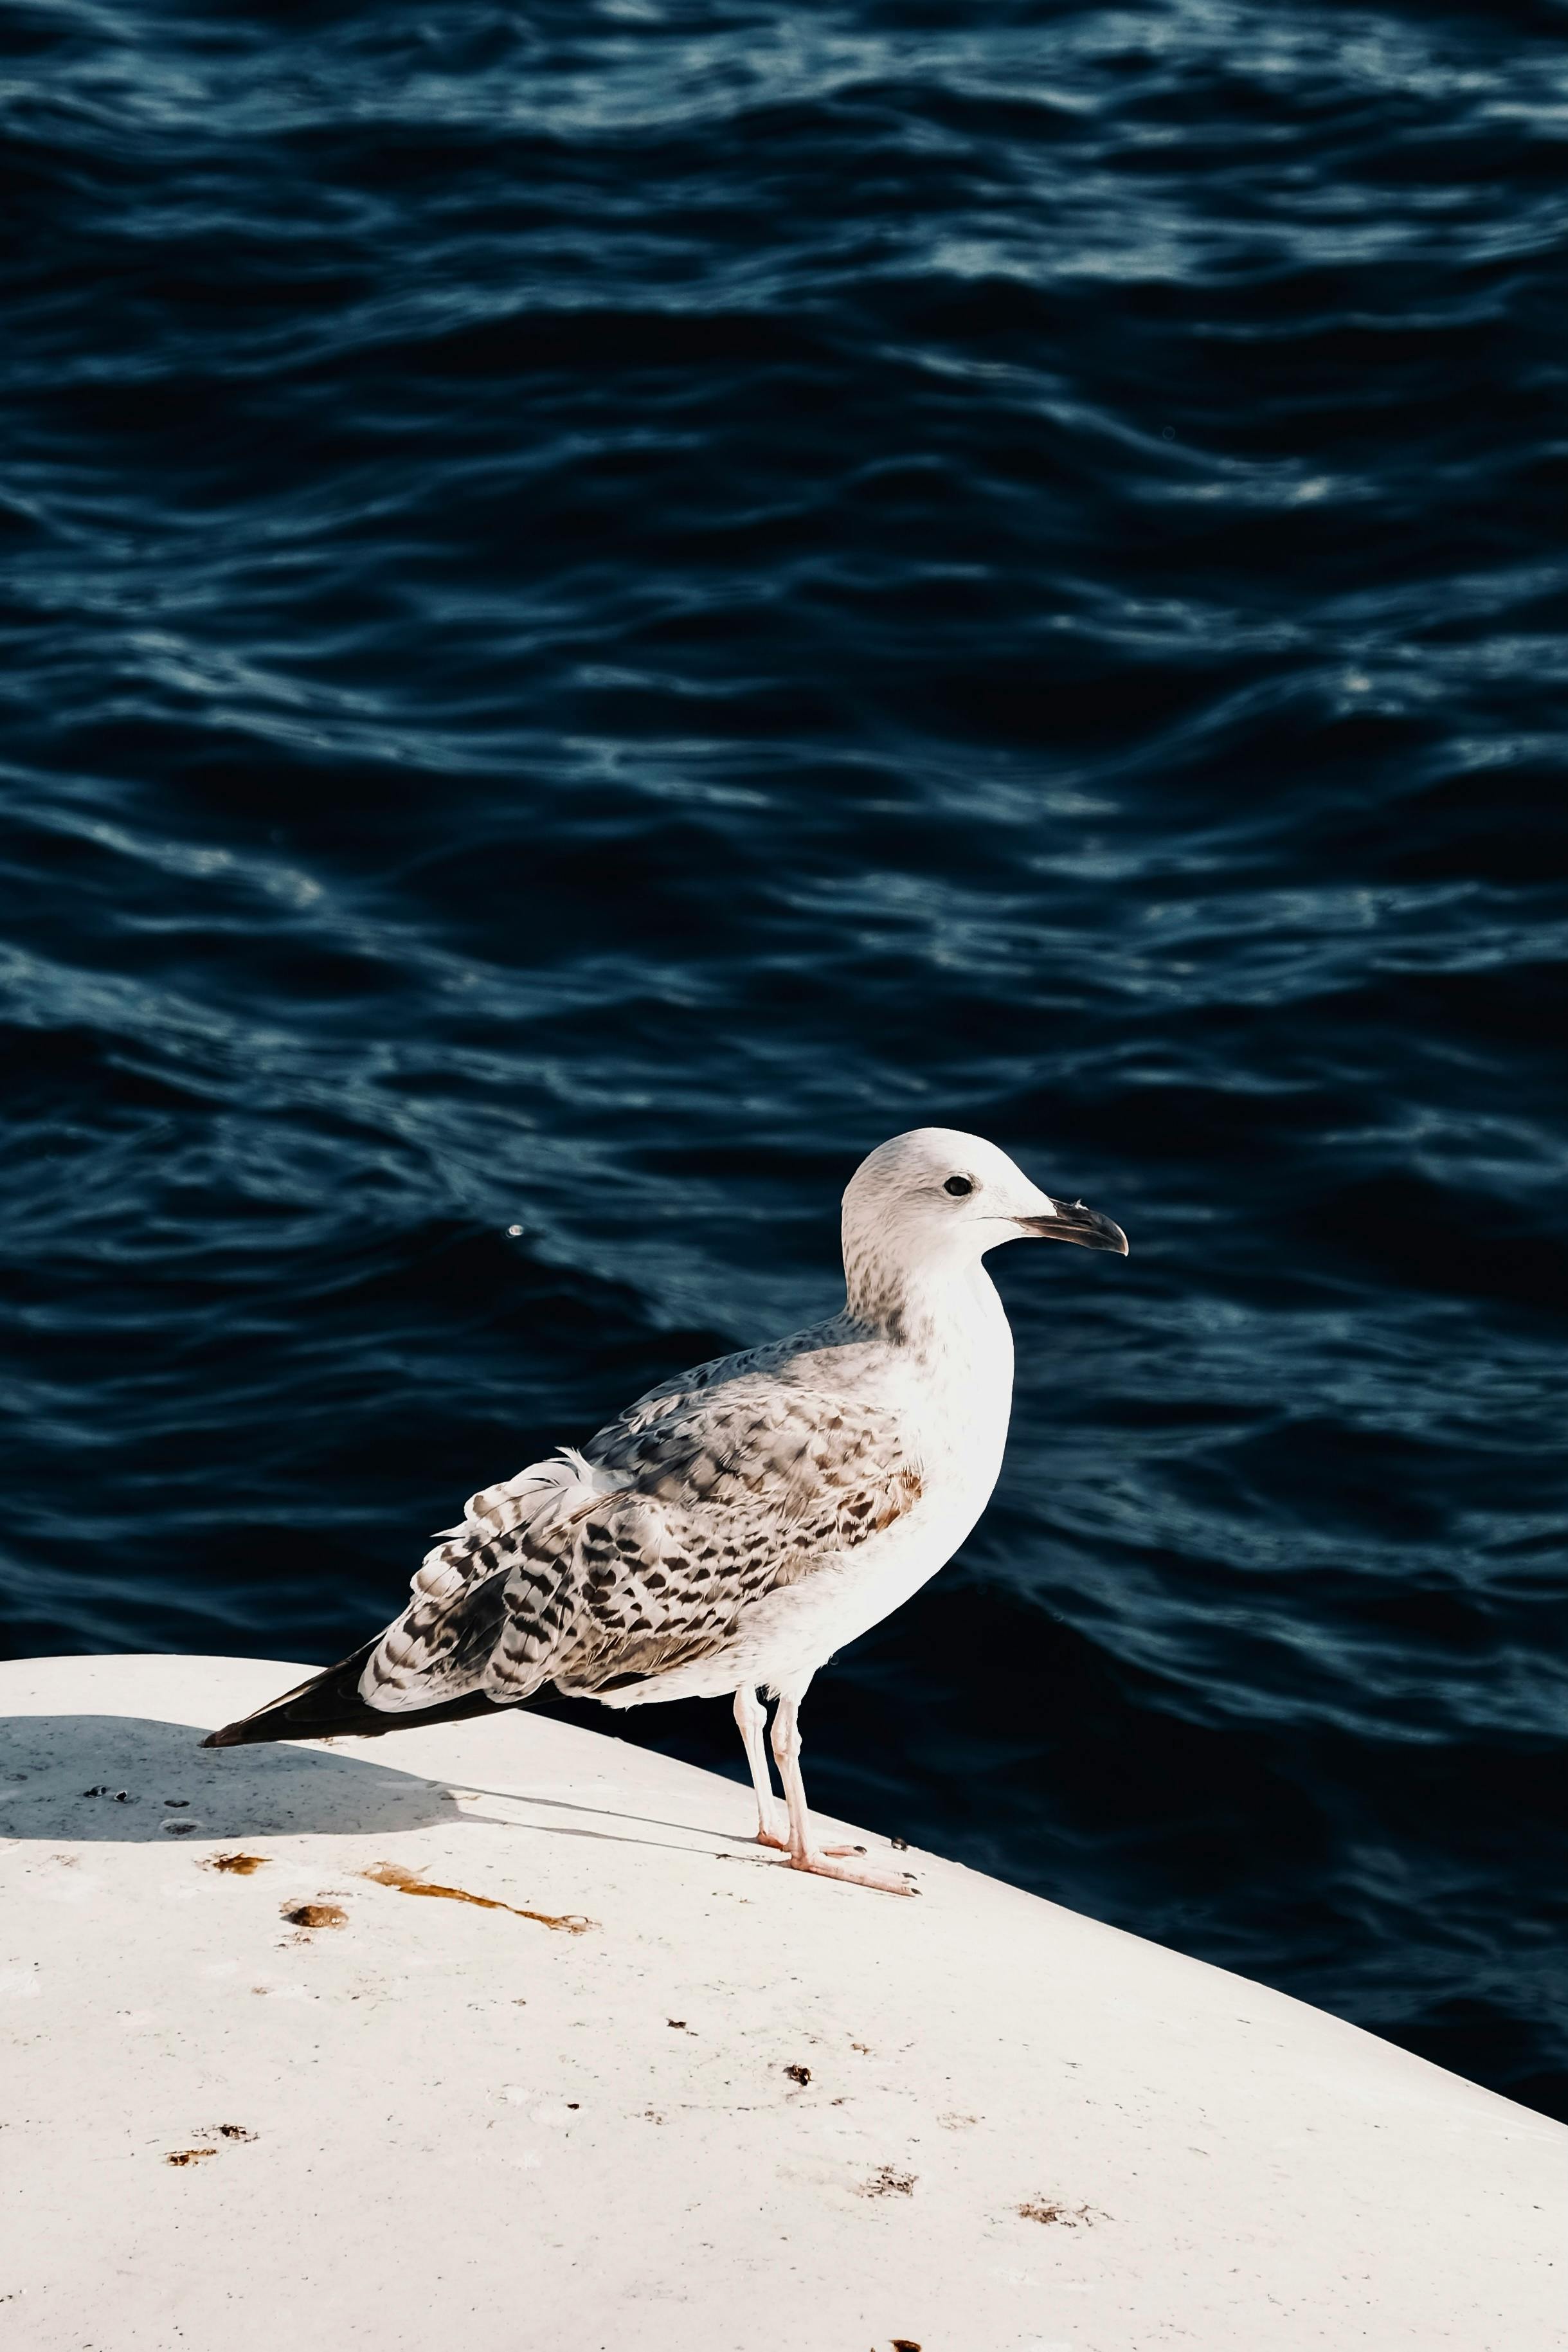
x=280 y=2104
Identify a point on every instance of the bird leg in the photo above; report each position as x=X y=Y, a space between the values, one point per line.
x=751 y=1716
x=828 y=1861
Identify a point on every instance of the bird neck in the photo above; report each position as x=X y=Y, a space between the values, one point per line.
x=942 y=1307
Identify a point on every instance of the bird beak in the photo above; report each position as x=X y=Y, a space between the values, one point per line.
x=1069 y=1220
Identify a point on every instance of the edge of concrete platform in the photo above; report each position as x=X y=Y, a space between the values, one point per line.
x=626 y=2079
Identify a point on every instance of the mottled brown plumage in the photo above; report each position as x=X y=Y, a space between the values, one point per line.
x=649 y=1548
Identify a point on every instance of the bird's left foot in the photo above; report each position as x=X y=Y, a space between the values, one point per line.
x=845 y=1862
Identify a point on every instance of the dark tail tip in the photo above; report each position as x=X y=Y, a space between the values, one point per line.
x=329 y=1703
x=329 y=1706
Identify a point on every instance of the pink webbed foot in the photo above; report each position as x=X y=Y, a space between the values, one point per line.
x=845 y=1862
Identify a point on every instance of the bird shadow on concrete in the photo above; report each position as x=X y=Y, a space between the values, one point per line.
x=125 y=1779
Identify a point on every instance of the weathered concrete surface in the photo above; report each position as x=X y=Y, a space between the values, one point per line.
x=424 y=2122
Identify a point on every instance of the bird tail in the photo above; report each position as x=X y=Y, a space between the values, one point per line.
x=329 y=1706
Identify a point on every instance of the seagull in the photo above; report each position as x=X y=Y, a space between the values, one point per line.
x=742 y=1521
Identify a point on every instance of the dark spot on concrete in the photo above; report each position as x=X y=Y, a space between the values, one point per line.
x=798 y=2073
x=888 y=2181
x=188 y=2154
x=905 y=2343
x=316 y=1914
x=1051 y=2208
x=241 y=1864
x=678 y=2024
x=235 y=2131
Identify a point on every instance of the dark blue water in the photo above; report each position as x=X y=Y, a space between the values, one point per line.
x=604 y=606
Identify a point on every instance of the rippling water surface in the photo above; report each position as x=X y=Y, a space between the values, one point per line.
x=603 y=605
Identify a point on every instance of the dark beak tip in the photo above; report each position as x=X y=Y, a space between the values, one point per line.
x=1074 y=1222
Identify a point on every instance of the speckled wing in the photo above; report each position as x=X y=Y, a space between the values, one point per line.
x=647 y=1551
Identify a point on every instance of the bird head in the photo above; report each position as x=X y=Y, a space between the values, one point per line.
x=936 y=1197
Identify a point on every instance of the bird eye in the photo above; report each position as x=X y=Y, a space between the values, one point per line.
x=957 y=1186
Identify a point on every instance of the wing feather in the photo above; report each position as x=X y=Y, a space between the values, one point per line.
x=649 y=1548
